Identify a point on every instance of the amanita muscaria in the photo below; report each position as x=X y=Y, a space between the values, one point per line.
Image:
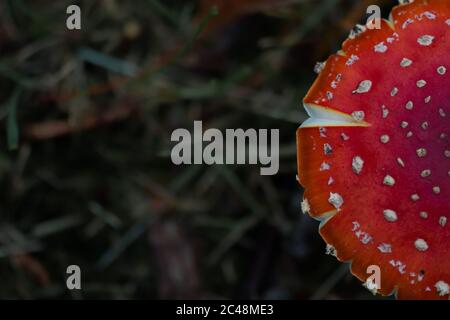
x=374 y=156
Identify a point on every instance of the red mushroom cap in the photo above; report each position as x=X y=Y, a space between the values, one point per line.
x=374 y=157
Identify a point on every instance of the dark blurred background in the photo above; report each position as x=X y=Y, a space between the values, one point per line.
x=85 y=170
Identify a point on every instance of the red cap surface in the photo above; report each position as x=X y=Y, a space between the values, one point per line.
x=374 y=157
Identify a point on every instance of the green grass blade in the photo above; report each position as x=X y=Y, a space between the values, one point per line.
x=12 y=128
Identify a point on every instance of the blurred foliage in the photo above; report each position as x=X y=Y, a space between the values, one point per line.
x=84 y=155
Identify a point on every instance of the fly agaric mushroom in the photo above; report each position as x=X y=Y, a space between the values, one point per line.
x=374 y=156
